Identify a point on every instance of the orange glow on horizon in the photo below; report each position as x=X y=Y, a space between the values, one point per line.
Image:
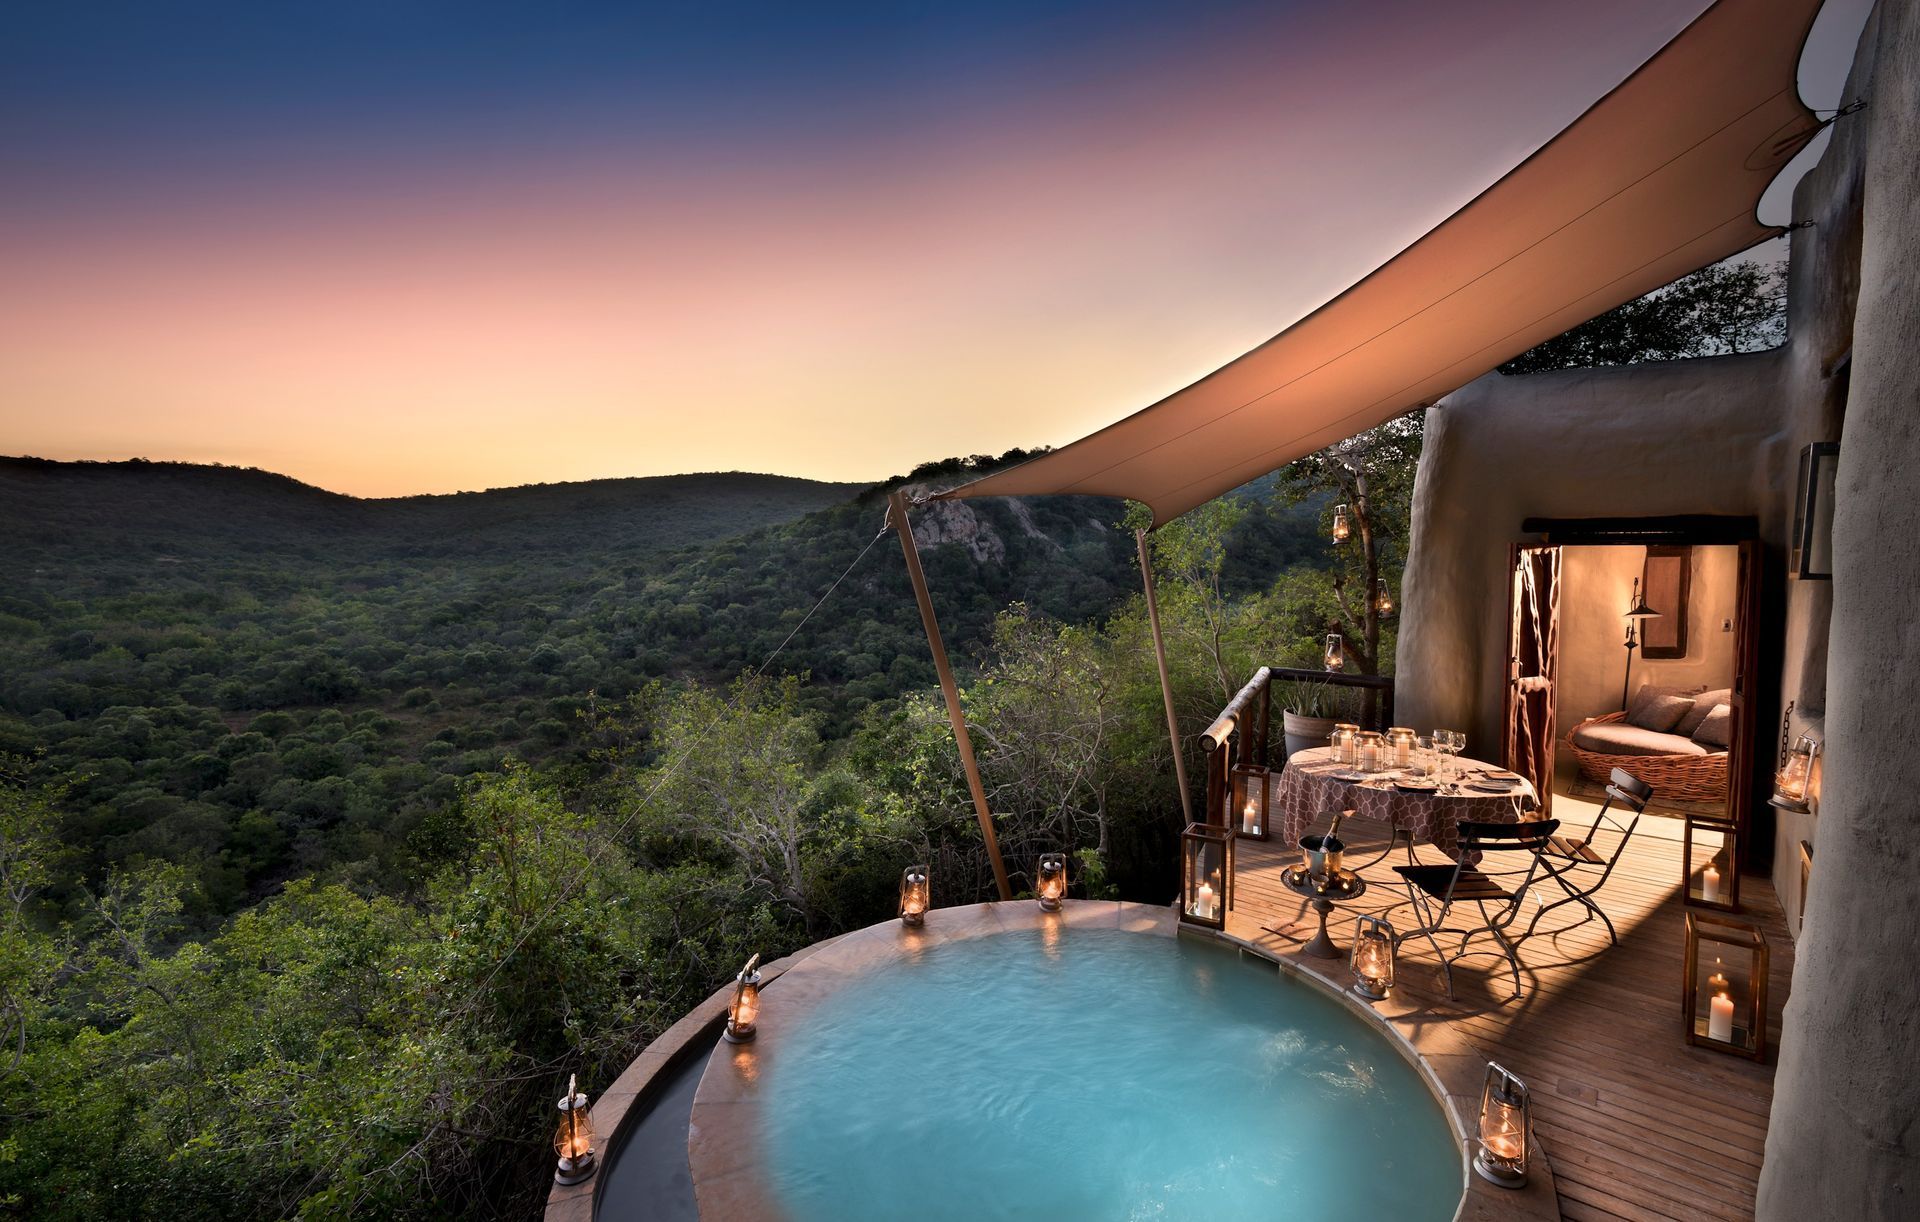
x=439 y=328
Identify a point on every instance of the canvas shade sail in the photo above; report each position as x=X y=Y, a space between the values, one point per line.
x=1657 y=179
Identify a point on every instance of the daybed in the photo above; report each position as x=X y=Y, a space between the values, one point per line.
x=1681 y=764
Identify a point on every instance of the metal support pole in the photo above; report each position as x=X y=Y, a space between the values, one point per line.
x=1166 y=689
x=897 y=518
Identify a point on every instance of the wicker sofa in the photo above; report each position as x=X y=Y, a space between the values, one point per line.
x=1684 y=772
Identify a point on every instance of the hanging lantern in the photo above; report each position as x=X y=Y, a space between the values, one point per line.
x=1726 y=987
x=1382 y=601
x=1051 y=881
x=1340 y=528
x=1247 y=814
x=1206 y=876
x=1372 y=957
x=916 y=896
x=1710 y=861
x=573 y=1140
x=743 y=1012
x=1335 y=658
x=1796 y=770
x=1505 y=1123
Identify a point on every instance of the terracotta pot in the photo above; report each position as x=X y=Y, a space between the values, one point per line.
x=1305 y=733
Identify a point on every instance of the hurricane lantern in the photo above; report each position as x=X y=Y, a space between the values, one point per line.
x=1725 y=999
x=1341 y=528
x=1710 y=859
x=743 y=1012
x=1400 y=744
x=1206 y=874
x=916 y=896
x=1505 y=1125
x=1371 y=753
x=1382 y=600
x=1345 y=740
x=1335 y=658
x=573 y=1140
x=1796 y=770
x=1051 y=881
x=1372 y=956
x=1247 y=815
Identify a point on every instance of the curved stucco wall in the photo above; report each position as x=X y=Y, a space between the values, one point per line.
x=1723 y=436
x=1844 y=1141
x=1678 y=437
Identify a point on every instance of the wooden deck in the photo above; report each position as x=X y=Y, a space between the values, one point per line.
x=1636 y=1123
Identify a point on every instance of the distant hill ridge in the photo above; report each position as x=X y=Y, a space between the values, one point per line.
x=53 y=508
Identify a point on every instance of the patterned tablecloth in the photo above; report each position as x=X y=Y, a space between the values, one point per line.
x=1307 y=794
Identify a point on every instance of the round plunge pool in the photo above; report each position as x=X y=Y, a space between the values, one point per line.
x=1069 y=1071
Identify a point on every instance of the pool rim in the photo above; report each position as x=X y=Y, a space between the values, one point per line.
x=722 y=1137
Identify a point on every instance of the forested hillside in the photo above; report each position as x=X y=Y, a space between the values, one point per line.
x=332 y=832
x=257 y=679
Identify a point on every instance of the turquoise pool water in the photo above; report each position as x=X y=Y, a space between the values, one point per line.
x=1095 y=1074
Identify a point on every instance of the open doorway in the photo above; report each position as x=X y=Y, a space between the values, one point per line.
x=1649 y=691
x=1632 y=645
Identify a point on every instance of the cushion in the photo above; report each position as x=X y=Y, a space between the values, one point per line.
x=1648 y=691
x=1659 y=713
x=1619 y=738
x=1716 y=729
x=1702 y=705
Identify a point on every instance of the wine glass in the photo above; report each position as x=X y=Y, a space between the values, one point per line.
x=1451 y=743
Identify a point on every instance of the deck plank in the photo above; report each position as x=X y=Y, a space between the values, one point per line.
x=1637 y=1124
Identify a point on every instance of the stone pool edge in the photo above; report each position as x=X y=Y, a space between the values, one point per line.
x=1453 y=1066
x=722 y=1143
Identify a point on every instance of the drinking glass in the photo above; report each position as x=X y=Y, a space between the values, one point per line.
x=1423 y=764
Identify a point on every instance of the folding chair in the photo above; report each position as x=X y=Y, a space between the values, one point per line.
x=1496 y=892
x=1572 y=863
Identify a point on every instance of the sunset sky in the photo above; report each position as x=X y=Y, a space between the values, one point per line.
x=419 y=247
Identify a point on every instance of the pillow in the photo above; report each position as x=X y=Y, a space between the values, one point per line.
x=1716 y=728
x=1702 y=705
x=1647 y=691
x=1659 y=712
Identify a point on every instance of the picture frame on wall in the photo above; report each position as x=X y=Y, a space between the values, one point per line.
x=1666 y=577
x=1810 y=557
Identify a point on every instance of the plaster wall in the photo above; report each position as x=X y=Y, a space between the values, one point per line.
x=1595 y=585
x=1844 y=1137
x=1674 y=437
x=1723 y=436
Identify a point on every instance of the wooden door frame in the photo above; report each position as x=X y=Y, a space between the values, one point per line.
x=1760 y=605
x=1519 y=562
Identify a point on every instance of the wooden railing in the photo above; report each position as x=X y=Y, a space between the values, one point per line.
x=1244 y=727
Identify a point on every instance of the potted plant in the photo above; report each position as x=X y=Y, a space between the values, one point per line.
x=1307 y=715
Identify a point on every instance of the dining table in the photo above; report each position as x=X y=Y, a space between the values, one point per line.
x=1315 y=784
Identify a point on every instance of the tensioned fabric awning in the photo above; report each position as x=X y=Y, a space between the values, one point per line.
x=1658 y=178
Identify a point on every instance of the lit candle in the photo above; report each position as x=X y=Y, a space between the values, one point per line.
x=1504 y=1144
x=1250 y=817
x=1203 y=904
x=1710 y=885
x=1720 y=1018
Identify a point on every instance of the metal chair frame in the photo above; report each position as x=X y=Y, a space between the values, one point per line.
x=1477 y=839
x=1632 y=793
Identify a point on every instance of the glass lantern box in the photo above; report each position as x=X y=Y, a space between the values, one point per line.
x=1711 y=859
x=1725 y=999
x=1206 y=874
x=1247 y=815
